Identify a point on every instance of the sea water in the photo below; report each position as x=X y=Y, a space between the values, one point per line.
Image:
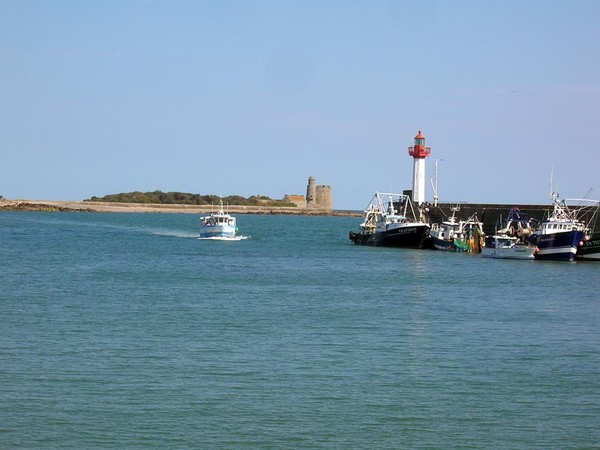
x=127 y=331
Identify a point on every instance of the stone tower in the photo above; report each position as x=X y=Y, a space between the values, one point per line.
x=311 y=193
x=324 y=199
x=318 y=197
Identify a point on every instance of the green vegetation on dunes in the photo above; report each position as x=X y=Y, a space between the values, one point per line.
x=184 y=198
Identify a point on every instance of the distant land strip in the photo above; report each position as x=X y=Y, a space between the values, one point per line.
x=100 y=206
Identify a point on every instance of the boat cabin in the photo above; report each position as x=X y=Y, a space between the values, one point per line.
x=212 y=221
x=558 y=227
x=500 y=241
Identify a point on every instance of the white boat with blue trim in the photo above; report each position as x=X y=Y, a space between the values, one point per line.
x=219 y=225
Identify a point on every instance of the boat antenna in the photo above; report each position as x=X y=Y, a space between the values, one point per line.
x=553 y=190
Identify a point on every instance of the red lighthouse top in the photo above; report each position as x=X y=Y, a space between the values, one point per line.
x=419 y=150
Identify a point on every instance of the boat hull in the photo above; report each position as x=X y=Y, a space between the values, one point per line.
x=217 y=231
x=444 y=245
x=524 y=253
x=590 y=250
x=412 y=236
x=557 y=246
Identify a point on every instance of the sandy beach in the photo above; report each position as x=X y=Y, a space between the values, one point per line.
x=112 y=207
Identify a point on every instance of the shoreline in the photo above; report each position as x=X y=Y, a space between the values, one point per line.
x=114 y=207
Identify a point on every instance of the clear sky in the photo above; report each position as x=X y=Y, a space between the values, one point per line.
x=252 y=97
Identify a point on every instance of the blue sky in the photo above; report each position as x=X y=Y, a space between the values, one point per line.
x=253 y=97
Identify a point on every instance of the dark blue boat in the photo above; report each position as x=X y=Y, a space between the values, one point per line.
x=560 y=235
x=558 y=246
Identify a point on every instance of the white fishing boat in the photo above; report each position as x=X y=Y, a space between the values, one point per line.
x=507 y=247
x=219 y=225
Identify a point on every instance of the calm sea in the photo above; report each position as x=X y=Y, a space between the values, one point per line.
x=126 y=331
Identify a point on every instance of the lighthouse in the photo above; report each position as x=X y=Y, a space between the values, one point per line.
x=419 y=152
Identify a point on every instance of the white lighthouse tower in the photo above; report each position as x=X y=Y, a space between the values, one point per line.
x=419 y=152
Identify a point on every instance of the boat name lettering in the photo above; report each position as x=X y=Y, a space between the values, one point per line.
x=407 y=230
x=549 y=238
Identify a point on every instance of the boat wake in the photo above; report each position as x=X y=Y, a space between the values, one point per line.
x=178 y=234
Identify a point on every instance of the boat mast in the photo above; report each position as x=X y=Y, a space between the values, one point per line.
x=436 y=197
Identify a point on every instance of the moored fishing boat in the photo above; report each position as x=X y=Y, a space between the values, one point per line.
x=457 y=236
x=516 y=224
x=219 y=225
x=390 y=221
x=588 y=211
x=560 y=235
x=590 y=250
x=443 y=234
x=507 y=247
